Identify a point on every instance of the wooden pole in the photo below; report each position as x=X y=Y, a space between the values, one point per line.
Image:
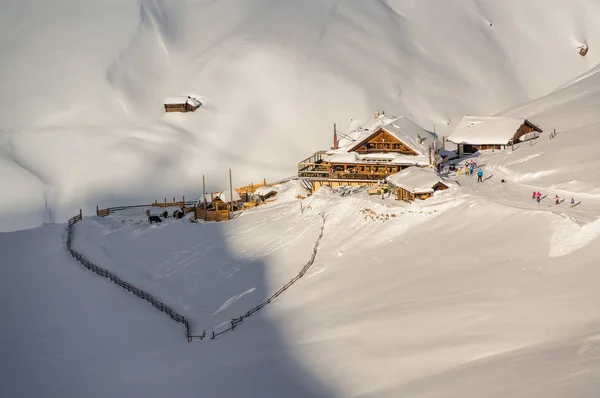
x=204 y=195
x=96 y=210
x=80 y=214
x=230 y=193
x=444 y=142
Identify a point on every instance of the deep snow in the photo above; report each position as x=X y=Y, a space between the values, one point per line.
x=82 y=82
x=475 y=292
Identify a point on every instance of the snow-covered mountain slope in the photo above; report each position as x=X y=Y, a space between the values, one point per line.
x=82 y=82
x=475 y=292
x=569 y=162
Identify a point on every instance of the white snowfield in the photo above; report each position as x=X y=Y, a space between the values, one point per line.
x=477 y=292
x=82 y=121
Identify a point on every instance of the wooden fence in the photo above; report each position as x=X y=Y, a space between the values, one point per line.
x=236 y=321
x=120 y=282
x=168 y=310
x=212 y=215
x=187 y=206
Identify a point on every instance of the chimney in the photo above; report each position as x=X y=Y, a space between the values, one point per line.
x=335 y=139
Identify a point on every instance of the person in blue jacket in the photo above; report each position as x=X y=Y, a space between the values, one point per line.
x=479 y=175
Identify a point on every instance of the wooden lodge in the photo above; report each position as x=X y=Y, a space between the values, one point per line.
x=368 y=152
x=181 y=104
x=479 y=133
x=415 y=183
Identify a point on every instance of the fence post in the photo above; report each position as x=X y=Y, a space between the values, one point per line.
x=96 y=210
x=80 y=215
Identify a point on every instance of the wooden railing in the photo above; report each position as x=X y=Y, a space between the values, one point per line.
x=340 y=175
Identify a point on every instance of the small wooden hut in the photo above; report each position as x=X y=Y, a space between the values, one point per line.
x=415 y=183
x=181 y=104
x=475 y=133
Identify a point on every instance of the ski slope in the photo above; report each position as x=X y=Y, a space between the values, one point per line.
x=81 y=118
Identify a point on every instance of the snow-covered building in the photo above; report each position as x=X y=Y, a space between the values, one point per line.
x=228 y=196
x=415 y=183
x=474 y=133
x=368 y=152
x=181 y=104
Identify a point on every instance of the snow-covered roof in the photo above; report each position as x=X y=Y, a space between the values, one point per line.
x=476 y=130
x=193 y=102
x=450 y=154
x=402 y=128
x=225 y=197
x=175 y=100
x=358 y=128
x=263 y=191
x=415 y=179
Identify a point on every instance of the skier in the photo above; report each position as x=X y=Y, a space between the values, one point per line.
x=471 y=168
x=479 y=175
x=572 y=201
x=538 y=201
x=533 y=195
x=539 y=195
x=556 y=200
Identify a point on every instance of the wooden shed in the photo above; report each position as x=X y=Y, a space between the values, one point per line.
x=475 y=133
x=181 y=104
x=415 y=183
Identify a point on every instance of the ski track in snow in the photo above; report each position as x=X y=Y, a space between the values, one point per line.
x=232 y=300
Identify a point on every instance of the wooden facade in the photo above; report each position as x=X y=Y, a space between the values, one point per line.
x=381 y=142
x=181 y=104
x=176 y=107
x=184 y=107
